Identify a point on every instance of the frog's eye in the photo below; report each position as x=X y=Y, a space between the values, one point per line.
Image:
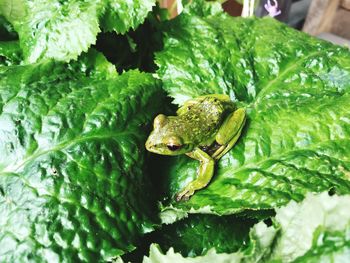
x=174 y=143
x=173 y=147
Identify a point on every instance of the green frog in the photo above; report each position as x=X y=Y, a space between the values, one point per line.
x=204 y=129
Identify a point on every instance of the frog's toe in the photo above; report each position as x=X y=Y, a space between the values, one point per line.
x=185 y=194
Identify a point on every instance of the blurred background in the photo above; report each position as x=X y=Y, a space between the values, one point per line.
x=326 y=19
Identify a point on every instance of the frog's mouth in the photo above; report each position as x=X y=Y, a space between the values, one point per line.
x=165 y=149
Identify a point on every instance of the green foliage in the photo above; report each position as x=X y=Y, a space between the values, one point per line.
x=308 y=228
x=195 y=235
x=136 y=48
x=296 y=90
x=73 y=186
x=7 y=33
x=328 y=246
x=315 y=230
x=10 y=53
x=123 y=15
x=64 y=29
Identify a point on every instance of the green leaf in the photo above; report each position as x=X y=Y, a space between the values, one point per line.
x=310 y=224
x=64 y=29
x=202 y=7
x=156 y=255
x=10 y=53
x=56 y=29
x=195 y=235
x=7 y=33
x=296 y=92
x=94 y=65
x=261 y=239
x=72 y=180
x=135 y=49
x=122 y=15
x=328 y=247
x=315 y=230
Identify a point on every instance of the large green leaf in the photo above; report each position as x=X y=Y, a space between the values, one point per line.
x=54 y=29
x=296 y=90
x=72 y=181
x=64 y=29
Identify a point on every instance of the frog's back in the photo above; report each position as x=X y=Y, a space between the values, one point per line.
x=205 y=118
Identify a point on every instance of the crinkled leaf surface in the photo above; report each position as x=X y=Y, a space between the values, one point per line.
x=261 y=239
x=55 y=29
x=93 y=64
x=296 y=90
x=72 y=179
x=316 y=230
x=121 y=15
x=195 y=235
x=64 y=29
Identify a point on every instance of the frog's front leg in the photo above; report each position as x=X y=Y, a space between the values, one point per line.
x=206 y=172
x=229 y=132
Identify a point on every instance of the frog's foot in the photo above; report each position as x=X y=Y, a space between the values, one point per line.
x=185 y=194
x=206 y=171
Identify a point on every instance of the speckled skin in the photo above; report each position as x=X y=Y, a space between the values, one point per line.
x=196 y=125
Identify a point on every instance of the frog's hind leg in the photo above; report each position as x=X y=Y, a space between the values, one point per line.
x=229 y=132
x=206 y=172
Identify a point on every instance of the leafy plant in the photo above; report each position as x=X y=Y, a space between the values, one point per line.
x=76 y=183
x=322 y=237
x=73 y=186
x=296 y=92
x=63 y=29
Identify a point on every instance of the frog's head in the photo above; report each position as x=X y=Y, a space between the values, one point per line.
x=164 y=138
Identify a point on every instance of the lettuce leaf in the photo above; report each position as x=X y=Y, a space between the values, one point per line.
x=64 y=29
x=296 y=90
x=73 y=184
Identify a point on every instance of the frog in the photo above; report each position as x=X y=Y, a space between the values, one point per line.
x=205 y=128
